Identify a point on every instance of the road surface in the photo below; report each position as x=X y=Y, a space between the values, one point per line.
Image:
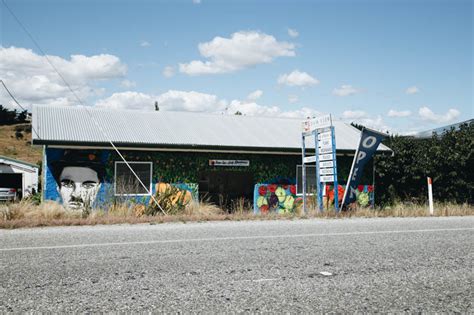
x=344 y=265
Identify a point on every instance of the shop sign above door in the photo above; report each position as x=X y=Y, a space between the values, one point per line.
x=229 y=162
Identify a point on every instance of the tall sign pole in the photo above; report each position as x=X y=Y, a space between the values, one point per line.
x=325 y=156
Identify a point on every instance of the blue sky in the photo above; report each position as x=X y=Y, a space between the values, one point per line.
x=405 y=66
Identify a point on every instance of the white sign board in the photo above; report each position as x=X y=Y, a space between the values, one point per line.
x=327 y=178
x=317 y=123
x=310 y=159
x=325 y=157
x=326 y=164
x=326 y=171
x=326 y=143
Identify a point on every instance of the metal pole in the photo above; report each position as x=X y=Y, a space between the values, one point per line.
x=318 y=178
x=303 y=172
x=334 y=157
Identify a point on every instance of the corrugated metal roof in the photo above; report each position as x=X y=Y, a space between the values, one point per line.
x=76 y=124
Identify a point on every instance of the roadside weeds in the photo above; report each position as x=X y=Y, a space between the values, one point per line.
x=27 y=215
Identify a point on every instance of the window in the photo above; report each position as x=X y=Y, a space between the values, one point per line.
x=310 y=179
x=127 y=184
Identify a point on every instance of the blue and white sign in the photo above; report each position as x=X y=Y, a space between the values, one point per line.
x=369 y=142
x=325 y=146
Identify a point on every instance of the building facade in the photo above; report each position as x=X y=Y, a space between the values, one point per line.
x=216 y=158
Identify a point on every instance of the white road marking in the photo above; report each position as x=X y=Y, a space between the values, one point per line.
x=232 y=238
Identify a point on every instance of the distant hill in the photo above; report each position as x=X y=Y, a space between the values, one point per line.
x=15 y=142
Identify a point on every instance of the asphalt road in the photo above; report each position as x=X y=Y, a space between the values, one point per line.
x=376 y=265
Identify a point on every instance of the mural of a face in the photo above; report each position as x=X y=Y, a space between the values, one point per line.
x=78 y=187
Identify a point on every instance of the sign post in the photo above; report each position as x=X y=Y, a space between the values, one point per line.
x=430 y=195
x=325 y=157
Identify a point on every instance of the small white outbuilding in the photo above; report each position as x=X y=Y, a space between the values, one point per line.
x=22 y=176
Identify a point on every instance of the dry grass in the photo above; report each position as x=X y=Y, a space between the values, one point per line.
x=26 y=214
x=20 y=149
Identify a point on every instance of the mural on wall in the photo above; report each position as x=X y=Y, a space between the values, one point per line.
x=364 y=196
x=78 y=176
x=275 y=198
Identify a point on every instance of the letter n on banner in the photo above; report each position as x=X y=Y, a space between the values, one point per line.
x=369 y=142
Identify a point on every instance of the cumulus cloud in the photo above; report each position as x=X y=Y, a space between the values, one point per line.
x=128 y=100
x=412 y=90
x=345 y=90
x=363 y=118
x=190 y=101
x=33 y=81
x=128 y=84
x=297 y=78
x=293 y=33
x=354 y=114
x=168 y=71
x=242 y=50
x=255 y=95
x=144 y=43
x=395 y=113
x=428 y=115
x=293 y=98
x=173 y=100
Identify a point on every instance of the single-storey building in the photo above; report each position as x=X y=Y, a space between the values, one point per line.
x=216 y=157
x=20 y=176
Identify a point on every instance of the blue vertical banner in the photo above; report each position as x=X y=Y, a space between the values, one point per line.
x=369 y=142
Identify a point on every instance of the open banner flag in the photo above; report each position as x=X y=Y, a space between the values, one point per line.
x=369 y=142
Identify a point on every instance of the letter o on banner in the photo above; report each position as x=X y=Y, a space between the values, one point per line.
x=369 y=142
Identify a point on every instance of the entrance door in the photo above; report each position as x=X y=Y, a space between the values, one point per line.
x=222 y=187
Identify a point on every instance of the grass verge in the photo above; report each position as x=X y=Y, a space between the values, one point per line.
x=26 y=214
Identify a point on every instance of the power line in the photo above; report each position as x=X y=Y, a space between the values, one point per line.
x=11 y=95
x=82 y=103
x=14 y=99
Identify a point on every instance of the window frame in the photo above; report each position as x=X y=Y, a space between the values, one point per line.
x=133 y=162
x=301 y=165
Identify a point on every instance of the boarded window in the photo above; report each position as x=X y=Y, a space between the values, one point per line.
x=310 y=179
x=126 y=183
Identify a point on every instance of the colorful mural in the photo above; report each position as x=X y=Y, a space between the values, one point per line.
x=84 y=179
x=78 y=176
x=275 y=198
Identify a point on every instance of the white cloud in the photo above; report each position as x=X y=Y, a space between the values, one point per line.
x=293 y=98
x=128 y=84
x=297 y=78
x=128 y=100
x=32 y=80
x=144 y=43
x=190 y=101
x=168 y=71
x=171 y=100
x=362 y=118
x=428 y=115
x=255 y=95
x=253 y=109
x=345 y=90
x=293 y=33
x=402 y=113
x=242 y=50
x=412 y=90
x=354 y=114
x=196 y=1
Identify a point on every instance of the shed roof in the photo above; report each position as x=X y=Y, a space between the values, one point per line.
x=77 y=126
x=10 y=161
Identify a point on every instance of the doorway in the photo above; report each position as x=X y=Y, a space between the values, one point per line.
x=223 y=187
